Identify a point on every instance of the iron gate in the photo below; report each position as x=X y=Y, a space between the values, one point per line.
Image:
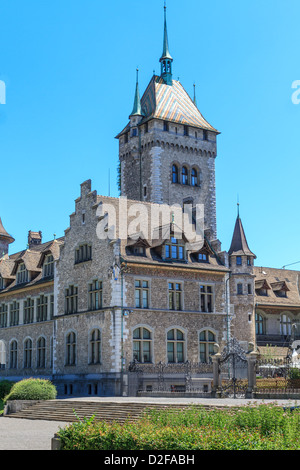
x=234 y=371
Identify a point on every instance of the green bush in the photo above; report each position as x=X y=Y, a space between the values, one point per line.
x=253 y=427
x=32 y=389
x=5 y=388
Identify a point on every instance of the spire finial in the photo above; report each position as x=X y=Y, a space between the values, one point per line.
x=166 y=58
x=238 y=207
x=137 y=107
x=195 y=100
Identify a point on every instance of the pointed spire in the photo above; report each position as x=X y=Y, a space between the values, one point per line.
x=239 y=245
x=195 y=99
x=166 y=58
x=166 y=52
x=137 y=107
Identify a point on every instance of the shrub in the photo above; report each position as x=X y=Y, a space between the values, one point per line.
x=5 y=388
x=32 y=389
x=264 y=427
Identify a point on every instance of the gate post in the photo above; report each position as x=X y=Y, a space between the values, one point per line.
x=251 y=358
x=216 y=359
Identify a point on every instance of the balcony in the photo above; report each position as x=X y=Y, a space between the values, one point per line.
x=282 y=341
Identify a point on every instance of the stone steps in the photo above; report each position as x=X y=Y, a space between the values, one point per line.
x=71 y=410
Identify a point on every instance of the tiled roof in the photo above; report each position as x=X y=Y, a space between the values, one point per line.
x=172 y=103
x=285 y=279
x=239 y=245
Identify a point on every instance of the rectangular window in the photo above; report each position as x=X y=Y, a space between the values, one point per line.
x=42 y=308
x=206 y=298
x=51 y=307
x=239 y=261
x=71 y=300
x=175 y=296
x=3 y=316
x=14 y=313
x=186 y=130
x=174 y=250
x=83 y=253
x=95 y=295
x=249 y=289
x=28 y=311
x=141 y=294
x=240 y=289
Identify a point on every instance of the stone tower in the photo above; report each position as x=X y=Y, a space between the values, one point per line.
x=5 y=240
x=167 y=150
x=242 y=286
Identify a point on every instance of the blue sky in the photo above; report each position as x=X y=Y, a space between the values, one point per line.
x=69 y=69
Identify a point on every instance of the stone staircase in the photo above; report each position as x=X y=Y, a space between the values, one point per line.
x=71 y=410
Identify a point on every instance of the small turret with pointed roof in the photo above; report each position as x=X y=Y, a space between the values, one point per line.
x=239 y=245
x=166 y=58
x=137 y=107
x=5 y=240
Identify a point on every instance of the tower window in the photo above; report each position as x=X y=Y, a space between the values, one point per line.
x=174 y=174
x=194 y=177
x=166 y=126
x=205 y=135
x=184 y=175
x=240 y=289
x=239 y=261
x=186 y=130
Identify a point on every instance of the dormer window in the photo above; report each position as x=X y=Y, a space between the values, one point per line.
x=22 y=274
x=139 y=250
x=174 y=249
x=48 y=268
x=203 y=257
x=280 y=288
x=83 y=253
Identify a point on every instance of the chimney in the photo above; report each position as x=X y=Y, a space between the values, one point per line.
x=34 y=238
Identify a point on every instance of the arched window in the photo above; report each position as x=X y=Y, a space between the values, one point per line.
x=71 y=349
x=194 y=177
x=285 y=325
x=28 y=353
x=13 y=355
x=95 y=346
x=2 y=355
x=207 y=340
x=41 y=352
x=175 y=345
x=142 y=339
x=259 y=324
x=174 y=174
x=185 y=175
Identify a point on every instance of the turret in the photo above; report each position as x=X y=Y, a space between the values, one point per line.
x=5 y=240
x=241 y=261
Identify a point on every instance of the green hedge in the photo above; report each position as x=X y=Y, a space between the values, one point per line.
x=32 y=389
x=263 y=427
x=5 y=388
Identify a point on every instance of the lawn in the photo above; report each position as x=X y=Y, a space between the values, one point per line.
x=252 y=427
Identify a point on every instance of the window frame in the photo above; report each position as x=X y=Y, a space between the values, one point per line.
x=142 y=345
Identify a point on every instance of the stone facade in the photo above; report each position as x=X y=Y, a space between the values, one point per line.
x=82 y=309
